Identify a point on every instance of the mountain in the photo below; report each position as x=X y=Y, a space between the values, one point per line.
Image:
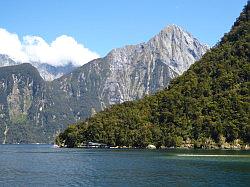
x=131 y=72
x=208 y=106
x=22 y=91
x=5 y=60
x=48 y=72
x=35 y=110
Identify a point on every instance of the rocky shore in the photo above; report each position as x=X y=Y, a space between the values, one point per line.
x=210 y=144
x=188 y=144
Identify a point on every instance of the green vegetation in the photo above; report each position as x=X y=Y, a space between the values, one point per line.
x=17 y=110
x=208 y=104
x=20 y=119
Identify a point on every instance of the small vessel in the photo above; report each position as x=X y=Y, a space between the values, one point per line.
x=55 y=146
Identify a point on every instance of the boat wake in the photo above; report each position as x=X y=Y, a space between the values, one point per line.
x=195 y=155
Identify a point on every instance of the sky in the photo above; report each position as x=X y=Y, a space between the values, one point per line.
x=80 y=30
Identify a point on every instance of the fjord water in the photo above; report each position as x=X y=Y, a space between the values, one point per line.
x=43 y=165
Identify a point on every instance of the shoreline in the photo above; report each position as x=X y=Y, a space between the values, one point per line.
x=243 y=148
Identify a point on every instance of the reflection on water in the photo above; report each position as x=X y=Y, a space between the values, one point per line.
x=43 y=165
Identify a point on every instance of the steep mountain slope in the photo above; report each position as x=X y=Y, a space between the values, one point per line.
x=207 y=106
x=35 y=110
x=25 y=106
x=21 y=95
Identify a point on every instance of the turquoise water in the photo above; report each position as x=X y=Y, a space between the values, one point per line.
x=43 y=165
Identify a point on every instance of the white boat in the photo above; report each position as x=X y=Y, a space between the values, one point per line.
x=55 y=146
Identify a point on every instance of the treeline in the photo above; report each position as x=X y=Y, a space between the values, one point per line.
x=209 y=101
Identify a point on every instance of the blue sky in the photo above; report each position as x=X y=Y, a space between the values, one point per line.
x=102 y=25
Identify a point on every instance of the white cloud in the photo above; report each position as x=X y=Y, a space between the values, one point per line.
x=11 y=45
x=34 y=48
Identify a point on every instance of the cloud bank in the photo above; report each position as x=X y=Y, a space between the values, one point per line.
x=62 y=50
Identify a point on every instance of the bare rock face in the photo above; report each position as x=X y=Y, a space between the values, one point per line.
x=145 y=68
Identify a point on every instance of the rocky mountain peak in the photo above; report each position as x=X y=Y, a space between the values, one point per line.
x=170 y=41
x=178 y=48
x=172 y=28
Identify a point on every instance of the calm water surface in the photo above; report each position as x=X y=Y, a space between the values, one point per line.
x=43 y=165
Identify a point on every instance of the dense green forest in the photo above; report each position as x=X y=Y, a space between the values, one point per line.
x=209 y=102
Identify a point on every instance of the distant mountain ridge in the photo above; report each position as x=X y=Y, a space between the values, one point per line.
x=35 y=111
x=5 y=60
x=48 y=72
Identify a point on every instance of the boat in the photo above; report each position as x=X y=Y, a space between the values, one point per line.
x=55 y=146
